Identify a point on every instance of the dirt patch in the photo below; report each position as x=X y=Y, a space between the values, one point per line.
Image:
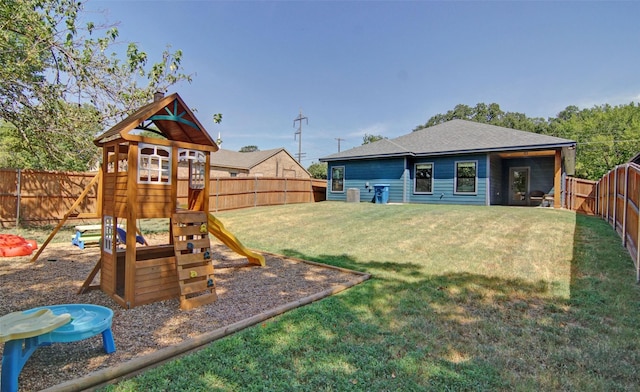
x=243 y=291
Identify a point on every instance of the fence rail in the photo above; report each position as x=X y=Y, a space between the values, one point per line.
x=616 y=199
x=44 y=197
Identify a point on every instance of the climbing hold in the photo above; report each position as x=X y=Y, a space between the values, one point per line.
x=193 y=274
x=189 y=245
x=207 y=255
x=203 y=228
x=210 y=283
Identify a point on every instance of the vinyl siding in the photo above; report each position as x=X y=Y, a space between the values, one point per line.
x=400 y=177
x=444 y=181
x=541 y=172
x=358 y=173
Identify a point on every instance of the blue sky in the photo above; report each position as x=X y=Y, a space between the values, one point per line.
x=381 y=67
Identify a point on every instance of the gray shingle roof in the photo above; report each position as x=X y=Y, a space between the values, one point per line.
x=241 y=160
x=453 y=137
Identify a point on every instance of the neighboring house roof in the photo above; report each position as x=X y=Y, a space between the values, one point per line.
x=243 y=160
x=453 y=137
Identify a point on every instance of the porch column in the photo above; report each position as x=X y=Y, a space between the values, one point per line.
x=557 y=180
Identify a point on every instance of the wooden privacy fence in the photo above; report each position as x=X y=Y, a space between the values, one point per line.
x=44 y=197
x=580 y=195
x=616 y=199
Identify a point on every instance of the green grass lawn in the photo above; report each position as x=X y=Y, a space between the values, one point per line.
x=462 y=298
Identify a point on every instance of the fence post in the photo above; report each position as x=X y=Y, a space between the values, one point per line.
x=217 y=192
x=597 y=203
x=285 y=190
x=574 y=182
x=255 y=191
x=18 y=195
x=626 y=198
x=615 y=199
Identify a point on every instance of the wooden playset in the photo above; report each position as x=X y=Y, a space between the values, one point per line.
x=138 y=179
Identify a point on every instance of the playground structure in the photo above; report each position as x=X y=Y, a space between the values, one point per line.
x=142 y=158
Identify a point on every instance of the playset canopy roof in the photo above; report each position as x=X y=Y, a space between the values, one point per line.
x=173 y=120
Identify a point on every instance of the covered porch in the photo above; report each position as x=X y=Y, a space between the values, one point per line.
x=528 y=177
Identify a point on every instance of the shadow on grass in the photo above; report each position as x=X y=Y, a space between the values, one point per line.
x=456 y=331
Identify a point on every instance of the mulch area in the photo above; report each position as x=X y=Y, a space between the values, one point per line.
x=243 y=291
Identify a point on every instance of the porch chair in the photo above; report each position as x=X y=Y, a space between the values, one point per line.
x=536 y=196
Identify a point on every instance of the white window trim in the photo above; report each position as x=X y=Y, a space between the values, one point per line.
x=415 y=177
x=455 y=179
x=344 y=171
x=160 y=159
x=109 y=233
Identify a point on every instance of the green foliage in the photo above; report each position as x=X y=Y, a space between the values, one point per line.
x=366 y=139
x=249 y=149
x=488 y=114
x=318 y=170
x=606 y=135
x=60 y=82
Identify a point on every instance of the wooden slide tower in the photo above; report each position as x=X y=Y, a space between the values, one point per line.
x=142 y=156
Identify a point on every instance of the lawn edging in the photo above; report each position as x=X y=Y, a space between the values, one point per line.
x=136 y=366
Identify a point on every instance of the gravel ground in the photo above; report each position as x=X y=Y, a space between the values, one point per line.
x=55 y=278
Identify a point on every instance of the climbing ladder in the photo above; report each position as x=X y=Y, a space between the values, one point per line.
x=193 y=259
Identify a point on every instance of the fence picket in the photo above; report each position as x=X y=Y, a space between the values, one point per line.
x=32 y=196
x=607 y=197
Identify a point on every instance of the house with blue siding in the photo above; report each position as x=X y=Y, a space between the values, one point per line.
x=456 y=162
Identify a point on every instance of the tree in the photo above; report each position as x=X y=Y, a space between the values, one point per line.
x=249 y=149
x=606 y=135
x=60 y=83
x=318 y=170
x=366 y=139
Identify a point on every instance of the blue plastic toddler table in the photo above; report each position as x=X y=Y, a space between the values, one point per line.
x=23 y=332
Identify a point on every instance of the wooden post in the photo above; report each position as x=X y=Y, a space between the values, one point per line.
x=638 y=232
x=132 y=215
x=557 y=180
x=597 y=203
x=608 y=195
x=66 y=216
x=18 y=195
x=207 y=184
x=626 y=199
x=615 y=199
x=217 y=191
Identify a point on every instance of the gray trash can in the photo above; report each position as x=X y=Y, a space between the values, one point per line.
x=382 y=193
x=353 y=195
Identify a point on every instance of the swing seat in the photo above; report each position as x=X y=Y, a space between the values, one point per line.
x=122 y=237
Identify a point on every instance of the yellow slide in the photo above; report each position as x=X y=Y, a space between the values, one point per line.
x=217 y=229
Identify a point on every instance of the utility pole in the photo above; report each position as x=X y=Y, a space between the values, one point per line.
x=338 y=139
x=298 y=133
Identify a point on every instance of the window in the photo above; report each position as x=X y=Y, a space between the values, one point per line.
x=109 y=234
x=466 y=173
x=154 y=164
x=337 y=179
x=424 y=178
x=196 y=161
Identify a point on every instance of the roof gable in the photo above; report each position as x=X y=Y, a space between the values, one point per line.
x=172 y=118
x=242 y=160
x=453 y=137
